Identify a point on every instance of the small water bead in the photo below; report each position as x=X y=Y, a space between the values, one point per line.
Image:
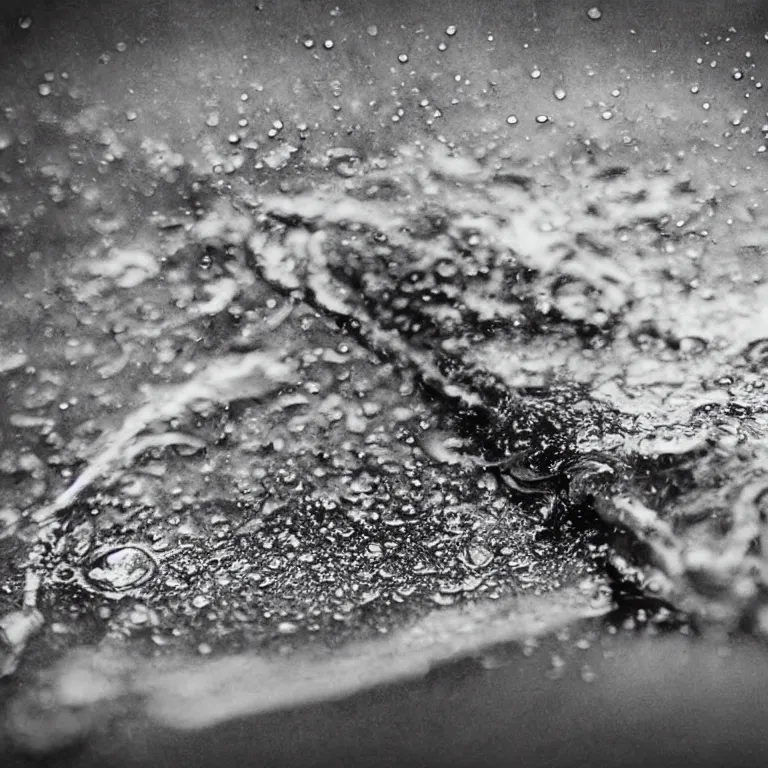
x=403 y=58
x=451 y=30
x=595 y=13
x=559 y=93
x=737 y=74
x=25 y=22
x=541 y=119
x=49 y=77
x=130 y=115
x=512 y=120
x=536 y=73
x=373 y=30
x=44 y=89
x=212 y=120
x=121 y=47
x=309 y=43
x=607 y=115
x=706 y=105
x=442 y=46
x=694 y=89
x=6 y=139
x=328 y=44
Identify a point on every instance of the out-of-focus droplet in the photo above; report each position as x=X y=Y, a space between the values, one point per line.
x=44 y=89
x=451 y=30
x=328 y=44
x=373 y=30
x=559 y=93
x=25 y=22
x=403 y=58
x=607 y=115
x=595 y=13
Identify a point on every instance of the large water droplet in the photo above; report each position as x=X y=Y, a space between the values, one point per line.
x=123 y=568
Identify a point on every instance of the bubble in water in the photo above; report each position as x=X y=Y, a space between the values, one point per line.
x=451 y=30
x=309 y=43
x=328 y=44
x=559 y=93
x=44 y=89
x=122 y=568
x=512 y=119
x=212 y=120
x=403 y=58
x=121 y=47
x=595 y=13
x=607 y=115
x=130 y=115
x=541 y=119
x=536 y=73
x=373 y=30
x=442 y=46
x=25 y=22
x=694 y=89
x=737 y=74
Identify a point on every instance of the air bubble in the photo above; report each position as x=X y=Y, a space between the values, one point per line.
x=536 y=73
x=403 y=58
x=559 y=93
x=451 y=30
x=25 y=22
x=541 y=119
x=512 y=120
x=595 y=13
x=328 y=44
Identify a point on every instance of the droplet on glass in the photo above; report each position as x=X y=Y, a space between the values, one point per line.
x=595 y=13
x=512 y=120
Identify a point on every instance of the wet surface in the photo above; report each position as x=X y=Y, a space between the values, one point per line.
x=334 y=349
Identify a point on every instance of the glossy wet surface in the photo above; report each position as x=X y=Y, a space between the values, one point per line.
x=335 y=348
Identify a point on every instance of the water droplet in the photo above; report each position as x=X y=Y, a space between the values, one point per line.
x=212 y=120
x=309 y=43
x=121 y=47
x=25 y=22
x=607 y=115
x=541 y=119
x=451 y=30
x=535 y=73
x=130 y=115
x=6 y=139
x=328 y=44
x=737 y=74
x=44 y=89
x=512 y=120
x=442 y=46
x=122 y=568
x=403 y=58
x=373 y=30
x=595 y=13
x=559 y=93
